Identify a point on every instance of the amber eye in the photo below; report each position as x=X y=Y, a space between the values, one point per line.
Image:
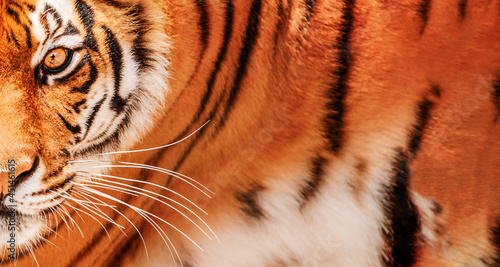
x=57 y=60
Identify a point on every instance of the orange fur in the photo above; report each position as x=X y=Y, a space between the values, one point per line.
x=277 y=121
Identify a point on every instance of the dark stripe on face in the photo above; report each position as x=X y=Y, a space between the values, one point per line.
x=251 y=34
x=78 y=104
x=111 y=141
x=116 y=54
x=91 y=118
x=13 y=14
x=496 y=97
x=70 y=30
x=87 y=19
x=462 y=9
x=28 y=36
x=13 y=37
x=402 y=219
x=74 y=129
x=84 y=89
x=312 y=185
x=336 y=109
x=55 y=187
x=139 y=48
x=423 y=12
x=248 y=199
x=50 y=10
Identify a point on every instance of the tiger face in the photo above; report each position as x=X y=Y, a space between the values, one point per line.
x=73 y=81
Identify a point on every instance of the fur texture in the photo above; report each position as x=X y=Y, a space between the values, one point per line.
x=304 y=133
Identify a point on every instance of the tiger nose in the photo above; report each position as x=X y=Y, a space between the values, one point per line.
x=16 y=173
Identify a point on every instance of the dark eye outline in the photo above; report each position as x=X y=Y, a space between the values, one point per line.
x=67 y=62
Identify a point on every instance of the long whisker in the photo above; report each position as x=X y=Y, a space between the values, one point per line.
x=150 y=192
x=84 y=205
x=154 y=148
x=177 y=175
x=63 y=209
x=96 y=208
x=33 y=254
x=148 y=183
x=117 y=211
x=85 y=187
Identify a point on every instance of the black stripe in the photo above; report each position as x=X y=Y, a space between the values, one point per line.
x=423 y=12
x=91 y=118
x=87 y=19
x=248 y=199
x=13 y=37
x=494 y=260
x=111 y=141
x=462 y=9
x=78 y=104
x=423 y=116
x=28 y=36
x=13 y=14
x=336 y=108
x=74 y=129
x=309 y=9
x=54 y=187
x=128 y=246
x=70 y=30
x=50 y=10
x=228 y=30
x=116 y=54
x=279 y=25
x=312 y=185
x=84 y=89
x=204 y=26
x=402 y=219
x=251 y=34
x=496 y=97
x=140 y=49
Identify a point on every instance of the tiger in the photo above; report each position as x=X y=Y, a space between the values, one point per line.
x=252 y=133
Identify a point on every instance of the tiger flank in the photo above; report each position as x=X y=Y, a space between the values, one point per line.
x=250 y=133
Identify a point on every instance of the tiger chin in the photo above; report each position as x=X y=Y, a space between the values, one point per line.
x=249 y=133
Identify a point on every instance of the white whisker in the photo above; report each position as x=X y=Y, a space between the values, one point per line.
x=63 y=209
x=168 y=205
x=148 y=183
x=117 y=211
x=154 y=148
x=138 y=209
x=33 y=254
x=177 y=175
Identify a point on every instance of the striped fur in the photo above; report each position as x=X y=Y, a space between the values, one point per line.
x=250 y=133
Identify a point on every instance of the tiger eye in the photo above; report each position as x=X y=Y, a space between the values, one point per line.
x=56 y=58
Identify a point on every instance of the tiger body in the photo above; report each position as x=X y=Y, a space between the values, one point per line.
x=314 y=133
